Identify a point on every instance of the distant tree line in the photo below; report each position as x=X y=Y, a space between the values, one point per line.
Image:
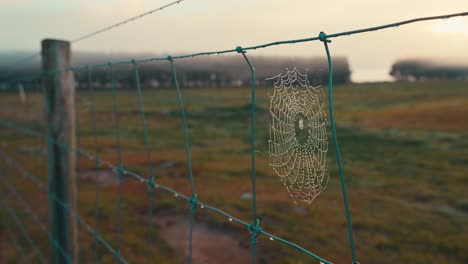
x=230 y=71
x=419 y=70
x=212 y=71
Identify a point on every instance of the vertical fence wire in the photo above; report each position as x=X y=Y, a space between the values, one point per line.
x=120 y=171
x=148 y=157
x=92 y=109
x=254 y=227
x=323 y=38
x=193 y=199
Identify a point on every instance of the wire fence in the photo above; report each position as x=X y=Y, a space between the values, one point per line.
x=14 y=162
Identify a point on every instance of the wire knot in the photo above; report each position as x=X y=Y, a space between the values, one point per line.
x=151 y=184
x=169 y=58
x=323 y=37
x=133 y=61
x=239 y=49
x=109 y=64
x=120 y=171
x=193 y=201
x=254 y=230
x=117 y=254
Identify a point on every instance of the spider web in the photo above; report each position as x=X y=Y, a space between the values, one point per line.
x=298 y=141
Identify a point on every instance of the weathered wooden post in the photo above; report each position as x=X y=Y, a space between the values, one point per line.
x=60 y=120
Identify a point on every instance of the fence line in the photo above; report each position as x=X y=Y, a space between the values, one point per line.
x=140 y=178
x=254 y=227
x=219 y=52
x=34 y=216
x=35 y=179
x=25 y=234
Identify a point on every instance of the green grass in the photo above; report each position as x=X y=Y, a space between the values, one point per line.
x=404 y=149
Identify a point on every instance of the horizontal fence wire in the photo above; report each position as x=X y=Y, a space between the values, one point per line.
x=234 y=50
x=34 y=216
x=137 y=176
x=32 y=243
x=254 y=227
x=16 y=244
x=35 y=179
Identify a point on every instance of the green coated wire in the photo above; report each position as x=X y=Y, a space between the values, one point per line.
x=27 y=174
x=25 y=234
x=324 y=38
x=184 y=123
x=96 y=163
x=35 y=218
x=148 y=157
x=116 y=252
x=11 y=235
x=19 y=248
x=254 y=226
x=276 y=43
x=141 y=179
x=193 y=200
x=177 y=194
x=119 y=168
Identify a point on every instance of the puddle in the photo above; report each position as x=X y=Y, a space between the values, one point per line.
x=209 y=246
x=105 y=178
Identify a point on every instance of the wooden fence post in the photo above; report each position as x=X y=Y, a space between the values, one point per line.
x=61 y=148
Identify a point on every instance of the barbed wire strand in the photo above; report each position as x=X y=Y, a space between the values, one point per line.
x=253 y=227
x=276 y=43
x=28 y=58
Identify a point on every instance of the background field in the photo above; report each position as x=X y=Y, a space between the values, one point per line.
x=405 y=151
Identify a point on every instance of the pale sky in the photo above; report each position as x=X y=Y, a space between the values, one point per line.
x=203 y=25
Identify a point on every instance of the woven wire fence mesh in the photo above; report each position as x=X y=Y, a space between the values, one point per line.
x=121 y=134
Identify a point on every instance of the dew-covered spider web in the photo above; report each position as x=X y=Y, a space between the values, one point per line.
x=298 y=137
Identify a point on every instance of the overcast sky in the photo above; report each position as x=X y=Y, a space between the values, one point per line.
x=201 y=25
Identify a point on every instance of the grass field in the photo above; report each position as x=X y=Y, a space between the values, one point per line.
x=405 y=155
